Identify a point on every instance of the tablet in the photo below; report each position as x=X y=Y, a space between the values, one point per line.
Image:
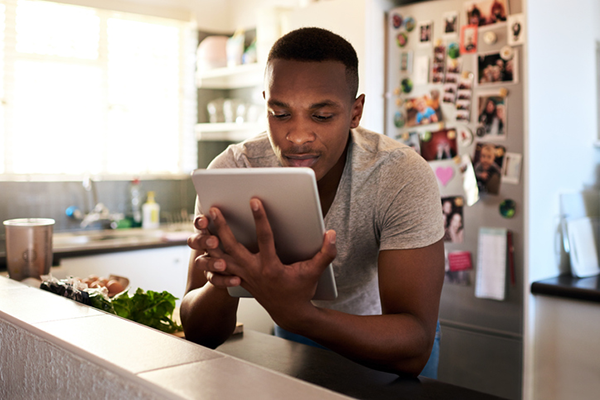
x=291 y=201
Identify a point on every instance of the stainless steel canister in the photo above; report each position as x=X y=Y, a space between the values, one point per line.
x=28 y=247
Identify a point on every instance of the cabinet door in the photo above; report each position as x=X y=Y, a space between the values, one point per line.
x=151 y=269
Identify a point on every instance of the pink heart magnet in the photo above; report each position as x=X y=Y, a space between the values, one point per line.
x=444 y=174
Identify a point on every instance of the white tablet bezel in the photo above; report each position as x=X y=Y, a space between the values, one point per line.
x=291 y=199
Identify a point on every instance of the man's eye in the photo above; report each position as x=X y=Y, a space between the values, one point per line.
x=322 y=117
x=280 y=115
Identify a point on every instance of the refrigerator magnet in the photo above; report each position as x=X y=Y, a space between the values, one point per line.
x=459 y=261
x=465 y=136
x=452 y=208
x=453 y=50
x=450 y=23
x=440 y=145
x=398 y=119
x=424 y=110
x=487 y=165
x=508 y=208
x=516 y=29
x=511 y=169
x=490 y=37
x=486 y=12
x=493 y=69
x=410 y=139
x=401 y=39
x=407 y=85
x=409 y=24
x=397 y=20
x=406 y=61
x=506 y=52
x=421 y=75
x=468 y=39
x=425 y=33
x=444 y=174
x=491 y=115
x=439 y=61
x=469 y=180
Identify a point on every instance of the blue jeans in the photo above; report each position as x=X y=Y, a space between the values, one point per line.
x=430 y=370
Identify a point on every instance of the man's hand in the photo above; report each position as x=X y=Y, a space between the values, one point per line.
x=283 y=290
x=209 y=258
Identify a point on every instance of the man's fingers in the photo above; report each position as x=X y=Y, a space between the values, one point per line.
x=264 y=234
x=328 y=251
x=201 y=222
x=228 y=241
x=222 y=281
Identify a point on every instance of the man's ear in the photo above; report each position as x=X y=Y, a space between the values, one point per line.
x=357 y=110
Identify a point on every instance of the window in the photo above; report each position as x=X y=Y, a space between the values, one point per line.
x=91 y=91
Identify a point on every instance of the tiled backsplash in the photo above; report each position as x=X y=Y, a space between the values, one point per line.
x=51 y=199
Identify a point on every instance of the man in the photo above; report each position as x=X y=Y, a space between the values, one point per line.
x=382 y=210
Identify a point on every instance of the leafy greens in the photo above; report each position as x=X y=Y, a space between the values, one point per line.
x=153 y=309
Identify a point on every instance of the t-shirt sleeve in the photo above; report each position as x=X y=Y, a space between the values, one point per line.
x=409 y=203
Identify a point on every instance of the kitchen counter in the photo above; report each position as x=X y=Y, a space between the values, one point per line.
x=334 y=372
x=86 y=243
x=56 y=344
x=570 y=287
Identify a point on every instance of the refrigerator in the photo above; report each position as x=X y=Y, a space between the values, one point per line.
x=454 y=93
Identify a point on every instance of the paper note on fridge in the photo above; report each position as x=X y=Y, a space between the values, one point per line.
x=491 y=263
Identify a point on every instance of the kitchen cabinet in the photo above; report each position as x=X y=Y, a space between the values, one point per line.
x=230 y=79
x=567 y=331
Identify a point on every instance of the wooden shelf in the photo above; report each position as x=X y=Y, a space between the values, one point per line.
x=245 y=75
x=233 y=132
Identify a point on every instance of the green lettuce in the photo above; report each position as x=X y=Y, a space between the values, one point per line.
x=153 y=309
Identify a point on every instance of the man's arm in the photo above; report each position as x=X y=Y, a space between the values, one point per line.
x=399 y=340
x=208 y=313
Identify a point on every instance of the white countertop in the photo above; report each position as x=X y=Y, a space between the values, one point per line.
x=64 y=349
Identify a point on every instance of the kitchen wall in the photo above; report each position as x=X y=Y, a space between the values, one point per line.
x=51 y=199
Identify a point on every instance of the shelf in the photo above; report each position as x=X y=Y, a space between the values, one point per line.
x=233 y=132
x=245 y=75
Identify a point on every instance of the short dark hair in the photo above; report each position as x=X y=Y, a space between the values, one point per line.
x=317 y=44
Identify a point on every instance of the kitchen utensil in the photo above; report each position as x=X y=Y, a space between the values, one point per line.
x=28 y=247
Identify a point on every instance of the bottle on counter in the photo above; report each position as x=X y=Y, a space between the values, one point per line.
x=151 y=213
x=135 y=203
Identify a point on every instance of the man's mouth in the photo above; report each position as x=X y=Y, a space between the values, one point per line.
x=301 y=160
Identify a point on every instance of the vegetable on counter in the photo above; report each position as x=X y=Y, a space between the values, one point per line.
x=150 y=308
x=153 y=309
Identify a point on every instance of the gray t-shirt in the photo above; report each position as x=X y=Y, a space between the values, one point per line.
x=387 y=198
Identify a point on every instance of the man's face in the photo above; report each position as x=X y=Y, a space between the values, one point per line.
x=310 y=112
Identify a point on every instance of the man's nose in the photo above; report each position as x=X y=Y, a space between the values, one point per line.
x=300 y=133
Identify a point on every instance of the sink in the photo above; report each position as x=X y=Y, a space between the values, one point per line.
x=115 y=238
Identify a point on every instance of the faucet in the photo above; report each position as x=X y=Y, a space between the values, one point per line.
x=98 y=211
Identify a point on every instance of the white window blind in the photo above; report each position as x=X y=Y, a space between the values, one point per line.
x=90 y=91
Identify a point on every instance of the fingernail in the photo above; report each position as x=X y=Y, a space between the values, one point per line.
x=220 y=265
x=254 y=205
x=211 y=242
x=332 y=237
